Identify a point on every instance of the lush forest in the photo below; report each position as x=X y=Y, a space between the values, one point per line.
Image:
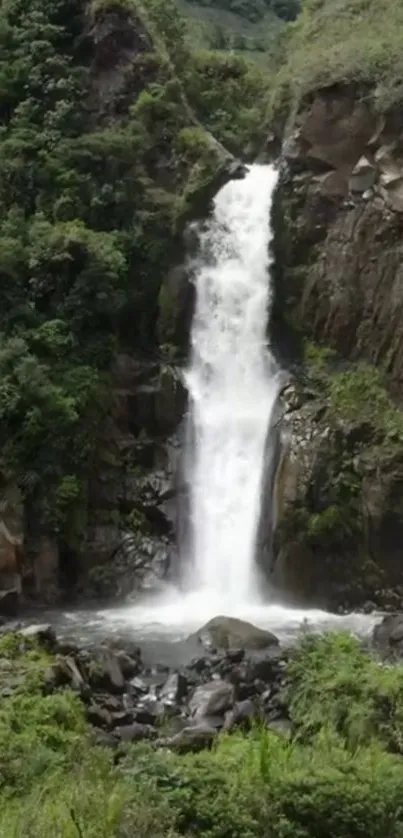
x=89 y=222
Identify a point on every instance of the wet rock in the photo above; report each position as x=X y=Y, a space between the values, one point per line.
x=111 y=677
x=266 y=667
x=231 y=633
x=211 y=699
x=363 y=176
x=74 y=676
x=98 y=716
x=135 y=732
x=42 y=634
x=129 y=666
x=191 y=739
x=113 y=703
x=198 y=665
x=235 y=655
x=122 y=719
x=175 y=688
x=148 y=711
x=9 y=602
x=242 y=715
x=387 y=637
x=138 y=686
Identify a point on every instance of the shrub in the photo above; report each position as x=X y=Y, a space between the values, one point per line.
x=334 y=683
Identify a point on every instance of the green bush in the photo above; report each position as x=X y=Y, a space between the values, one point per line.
x=265 y=787
x=335 y=779
x=334 y=683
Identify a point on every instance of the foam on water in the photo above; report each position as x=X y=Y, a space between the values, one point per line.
x=233 y=384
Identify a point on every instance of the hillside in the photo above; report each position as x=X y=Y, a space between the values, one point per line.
x=102 y=159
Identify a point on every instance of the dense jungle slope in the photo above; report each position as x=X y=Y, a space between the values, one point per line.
x=105 y=150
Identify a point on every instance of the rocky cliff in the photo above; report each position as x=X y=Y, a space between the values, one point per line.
x=339 y=250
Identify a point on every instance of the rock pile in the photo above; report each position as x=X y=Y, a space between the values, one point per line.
x=222 y=689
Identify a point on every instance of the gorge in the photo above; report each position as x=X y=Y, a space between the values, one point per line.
x=201 y=419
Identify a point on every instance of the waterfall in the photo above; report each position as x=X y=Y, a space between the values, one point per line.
x=232 y=384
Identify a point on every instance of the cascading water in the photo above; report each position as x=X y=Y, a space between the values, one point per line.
x=233 y=385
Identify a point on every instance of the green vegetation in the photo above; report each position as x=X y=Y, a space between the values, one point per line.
x=255 y=10
x=88 y=225
x=340 y=775
x=249 y=26
x=357 y=394
x=343 y=41
x=334 y=684
x=228 y=94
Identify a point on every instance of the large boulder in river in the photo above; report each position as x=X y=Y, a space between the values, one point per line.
x=230 y=633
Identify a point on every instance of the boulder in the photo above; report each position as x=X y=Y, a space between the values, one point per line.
x=242 y=715
x=387 y=637
x=175 y=688
x=191 y=739
x=99 y=716
x=211 y=699
x=230 y=633
x=9 y=602
x=363 y=176
x=112 y=676
x=129 y=666
x=135 y=732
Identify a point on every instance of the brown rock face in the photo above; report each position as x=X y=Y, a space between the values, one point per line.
x=339 y=510
x=11 y=538
x=334 y=129
x=344 y=229
x=339 y=284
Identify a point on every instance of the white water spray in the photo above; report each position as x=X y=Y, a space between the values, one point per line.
x=232 y=385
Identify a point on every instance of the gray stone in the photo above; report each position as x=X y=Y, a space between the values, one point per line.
x=230 y=633
x=98 y=716
x=113 y=671
x=211 y=699
x=138 y=685
x=175 y=688
x=387 y=637
x=135 y=732
x=363 y=176
x=241 y=715
x=191 y=739
x=128 y=665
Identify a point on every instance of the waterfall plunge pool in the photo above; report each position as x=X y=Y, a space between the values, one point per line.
x=232 y=381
